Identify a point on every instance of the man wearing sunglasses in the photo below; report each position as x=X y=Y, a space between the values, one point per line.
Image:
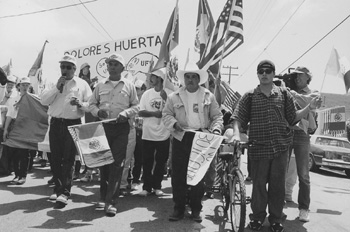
x=116 y=98
x=270 y=110
x=67 y=102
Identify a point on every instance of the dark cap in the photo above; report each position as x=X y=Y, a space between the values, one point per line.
x=303 y=70
x=266 y=64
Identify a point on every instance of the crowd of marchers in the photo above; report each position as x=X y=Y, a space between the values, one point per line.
x=153 y=128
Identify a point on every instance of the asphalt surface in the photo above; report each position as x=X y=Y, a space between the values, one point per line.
x=27 y=208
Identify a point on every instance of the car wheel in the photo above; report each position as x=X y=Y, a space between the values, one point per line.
x=347 y=172
x=312 y=164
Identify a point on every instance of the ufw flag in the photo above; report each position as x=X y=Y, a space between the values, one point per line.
x=30 y=127
x=204 y=148
x=226 y=36
x=35 y=73
x=92 y=144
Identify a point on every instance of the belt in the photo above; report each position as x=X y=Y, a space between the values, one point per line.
x=65 y=120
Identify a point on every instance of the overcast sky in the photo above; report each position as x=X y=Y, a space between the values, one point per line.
x=264 y=21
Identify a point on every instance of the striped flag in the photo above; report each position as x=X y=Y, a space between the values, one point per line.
x=92 y=144
x=35 y=72
x=170 y=39
x=227 y=35
x=232 y=97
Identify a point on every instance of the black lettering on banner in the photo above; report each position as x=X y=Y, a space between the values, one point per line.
x=133 y=43
x=107 y=49
x=158 y=41
x=116 y=46
x=142 y=41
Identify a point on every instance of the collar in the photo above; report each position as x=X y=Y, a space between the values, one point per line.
x=275 y=89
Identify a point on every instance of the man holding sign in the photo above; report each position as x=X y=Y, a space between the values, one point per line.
x=192 y=107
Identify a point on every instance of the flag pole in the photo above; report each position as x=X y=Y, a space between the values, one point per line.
x=324 y=77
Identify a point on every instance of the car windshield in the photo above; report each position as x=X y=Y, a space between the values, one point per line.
x=332 y=142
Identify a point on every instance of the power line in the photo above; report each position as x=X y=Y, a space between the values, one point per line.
x=42 y=11
x=272 y=39
x=97 y=21
x=317 y=42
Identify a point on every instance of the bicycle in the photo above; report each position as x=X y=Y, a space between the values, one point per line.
x=232 y=186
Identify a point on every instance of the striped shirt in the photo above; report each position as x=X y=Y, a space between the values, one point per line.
x=269 y=118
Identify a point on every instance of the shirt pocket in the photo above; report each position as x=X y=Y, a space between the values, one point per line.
x=104 y=95
x=278 y=112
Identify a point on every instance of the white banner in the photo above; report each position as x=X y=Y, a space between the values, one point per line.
x=204 y=148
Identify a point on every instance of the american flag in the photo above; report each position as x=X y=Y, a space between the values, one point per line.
x=227 y=35
x=232 y=97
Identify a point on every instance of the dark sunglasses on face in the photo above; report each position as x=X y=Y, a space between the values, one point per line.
x=267 y=71
x=68 y=67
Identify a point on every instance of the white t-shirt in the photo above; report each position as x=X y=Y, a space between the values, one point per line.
x=153 y=128
x=192 y=114
x=12 y=109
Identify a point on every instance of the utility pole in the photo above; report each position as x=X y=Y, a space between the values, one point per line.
x=229 y=73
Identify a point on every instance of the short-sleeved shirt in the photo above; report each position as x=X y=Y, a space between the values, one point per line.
x=270 y=118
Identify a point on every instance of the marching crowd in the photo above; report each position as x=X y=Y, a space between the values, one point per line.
x=153 y=131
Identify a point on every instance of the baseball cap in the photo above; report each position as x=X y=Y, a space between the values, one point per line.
x=12 y=78
x=266 y=64
x=24 y=80
x=116 y=57
x=301 y=69
x=69 y=58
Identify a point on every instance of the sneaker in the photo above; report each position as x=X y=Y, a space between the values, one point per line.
x=63 y=199
x=111 y=210
x=144 y=193
x=176 y=216
x=21 y=181
x=53 y=197
x=15 y=180
x=277 y=227
x=134 y=186
x=158 y=192
x=196 y=216
x=304 y=215
x=100 y=205
x=255 y=225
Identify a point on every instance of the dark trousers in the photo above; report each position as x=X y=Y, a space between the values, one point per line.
x=117 y=136
x=269 y=172
x=20 y=159
x=63 y=152
x=154 y=151
x=136 y=170
x=180 y=157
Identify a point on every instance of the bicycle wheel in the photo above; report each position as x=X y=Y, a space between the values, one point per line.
x=237 y=201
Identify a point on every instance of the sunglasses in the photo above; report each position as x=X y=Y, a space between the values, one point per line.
x=267 y=71
x=68 y=67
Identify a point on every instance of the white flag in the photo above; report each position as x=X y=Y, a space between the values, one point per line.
x=333 y=66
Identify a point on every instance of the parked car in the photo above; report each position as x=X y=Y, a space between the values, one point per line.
x=330 y=152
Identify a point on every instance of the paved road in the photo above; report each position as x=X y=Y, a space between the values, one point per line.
x=26 y=208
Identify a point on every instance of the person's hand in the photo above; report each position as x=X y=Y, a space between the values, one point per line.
x=121 y=119
x=102 y=114
x=178 y=127
x=315 y=103
x=157 y=114
x=61 y=81
x=74 y=101
x=5 y=135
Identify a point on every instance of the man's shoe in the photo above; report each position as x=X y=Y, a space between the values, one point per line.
x=304 y=215
x=123 y=192
x=53 y=197
x=144 y=193
x=196 y=216
x=255 y=225
x=134 y=186
x=51 y=181
x=176 y=216
x=62 y=199
x=158 y=192
x=277 y=227
x=111 y=210
x=100 y=205
x=21 y=181
x=15 y=180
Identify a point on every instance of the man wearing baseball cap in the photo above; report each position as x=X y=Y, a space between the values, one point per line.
x=270 y=111
x=68 y=102
x=301 y=143
x=155 y=136
x=116 y=98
